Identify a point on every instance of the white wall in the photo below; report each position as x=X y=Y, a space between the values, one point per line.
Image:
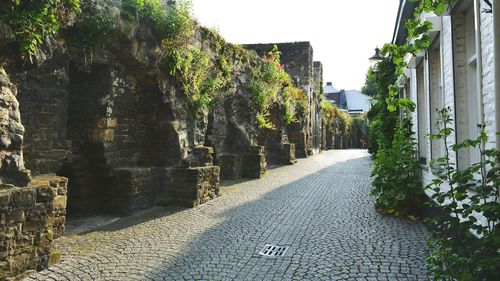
x=357 y=100
x=453 y=82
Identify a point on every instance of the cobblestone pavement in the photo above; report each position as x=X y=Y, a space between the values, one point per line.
x=319 y=208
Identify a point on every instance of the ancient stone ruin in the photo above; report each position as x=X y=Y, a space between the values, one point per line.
x=114 y=129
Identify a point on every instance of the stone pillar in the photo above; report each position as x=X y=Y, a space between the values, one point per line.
x=32 y=212
x=12 y=169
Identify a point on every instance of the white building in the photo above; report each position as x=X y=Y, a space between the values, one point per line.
x=457 y=71
x=357 y=102
x=353 y=101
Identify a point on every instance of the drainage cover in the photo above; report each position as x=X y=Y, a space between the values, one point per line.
x=273 y=251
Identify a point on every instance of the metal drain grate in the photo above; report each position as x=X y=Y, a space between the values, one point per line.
x=273 y=251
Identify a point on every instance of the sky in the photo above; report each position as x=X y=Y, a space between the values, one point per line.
x=343 y=33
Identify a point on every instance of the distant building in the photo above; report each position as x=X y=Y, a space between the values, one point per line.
x=332 y=94
x=354 y=102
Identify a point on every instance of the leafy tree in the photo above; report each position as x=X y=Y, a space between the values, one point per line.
x=370 y=87
x=396 y=176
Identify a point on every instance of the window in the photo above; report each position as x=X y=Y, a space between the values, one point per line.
x=468 y=104
x=423 y=116
x=435 y=95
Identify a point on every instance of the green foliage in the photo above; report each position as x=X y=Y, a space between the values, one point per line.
x=178 y=25
x=416 y=40
x=339 y=122
x=342 y=124
x=201 y=79
x=263 y=95
x=370 y=87
x=294 y=103
x=455 y=254
x=36 y=22
x=171 y=25
x=270 y=84
x=329 y=113
x=93 y=28
x=359 y=131
x=396 y=182
x=382 y=120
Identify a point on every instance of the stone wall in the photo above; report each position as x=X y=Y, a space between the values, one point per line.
x=12 y=170
x=317 y=126
x=121 y=128
x=297 y=58
x=43 y=95
x=30 y=218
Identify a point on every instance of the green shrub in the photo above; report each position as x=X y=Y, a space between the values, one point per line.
x=36 y=22
x=294 y=103
x=171 y=25
x=201 y=79
x=269 y=79
x=455 y=253
x=396 y=182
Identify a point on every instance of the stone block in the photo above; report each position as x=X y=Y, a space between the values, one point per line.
x=230 y=166
x=107 y=123
x=98 y=134
x=5 y=197
x=43 y=144
x=131 y=180
x=56 y=225
x=254 y=162
x=30 y=224
x=282 y=155
x=127 y=204
x=59 y=203
x=22 y=198
x=189 y=186
x=17 y=217
x=45 y=194
x=200 y=156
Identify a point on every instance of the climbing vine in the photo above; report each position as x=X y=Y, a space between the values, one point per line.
x=416 y=41
x=382 y=121
x=294 y=103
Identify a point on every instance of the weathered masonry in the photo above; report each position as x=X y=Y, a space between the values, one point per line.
x=308 y=75
x=117 y=129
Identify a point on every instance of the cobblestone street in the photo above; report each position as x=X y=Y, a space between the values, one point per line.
x=319 y=208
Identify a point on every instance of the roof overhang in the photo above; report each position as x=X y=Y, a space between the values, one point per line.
x=405 y=12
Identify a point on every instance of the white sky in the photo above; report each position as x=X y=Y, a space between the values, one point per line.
x=343 y=33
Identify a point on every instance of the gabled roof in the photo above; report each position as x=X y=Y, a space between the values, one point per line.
x=329 y=89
